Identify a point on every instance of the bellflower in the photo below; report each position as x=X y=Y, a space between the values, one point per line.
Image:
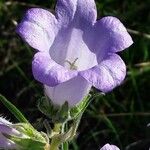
x=109 y=147
x=6 y=129
x=75 y=51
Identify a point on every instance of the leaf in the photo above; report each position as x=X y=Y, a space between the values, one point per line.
x=13 y=109
x=111 y=126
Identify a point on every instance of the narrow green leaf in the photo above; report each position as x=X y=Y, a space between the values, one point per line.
x=65 y=145
x=13 y=109
x=111 y=126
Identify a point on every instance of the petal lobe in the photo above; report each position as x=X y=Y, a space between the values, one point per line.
x=48 y=71
x=108 y=74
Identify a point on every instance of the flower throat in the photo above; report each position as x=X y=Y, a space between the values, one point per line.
x=72 y=64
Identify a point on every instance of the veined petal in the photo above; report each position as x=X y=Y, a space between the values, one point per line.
x=38 y=28
x=108 y=35
x=109 y=147
x=113 y=36
x=48 y=72
x=80 y=12
x=86 y=13
x=65 y=10
x=108 y=74
x=72 y=91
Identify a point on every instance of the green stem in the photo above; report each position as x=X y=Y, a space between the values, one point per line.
x=54 y=145
x=64 y=129
x=55 y=142
x=75 y=126
x=64 y=137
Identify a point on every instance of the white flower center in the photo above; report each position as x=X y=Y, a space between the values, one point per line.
x=70 y=50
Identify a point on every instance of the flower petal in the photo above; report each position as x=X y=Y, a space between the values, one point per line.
x=86 y=13
x=48 y=71
x=109 y=147
x=113 y=34
x=72 y=91
x=110 y=35
x=80 y=12
x=65 y=10
x=5 y=127
x=109 y=74
x=8 y=130
x=69 y=46
x=38 y=28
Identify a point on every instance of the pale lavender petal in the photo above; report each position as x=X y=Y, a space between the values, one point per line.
x=48 y=71
x=86 y=13
x=109 y=74
x=72 y=91
x=112 y=34
x=114 y=147
x=65 y=11
x=38 y=28
x=6 y=129
x=9 y=130
x=107 y=35
x=78 y=12
x=109 y=147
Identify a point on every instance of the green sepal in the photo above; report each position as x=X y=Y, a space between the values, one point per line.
x=46 y=107
x=58 y=114
x=62 y=114
x=29 y=131
x=28 y=143
x=80 y=108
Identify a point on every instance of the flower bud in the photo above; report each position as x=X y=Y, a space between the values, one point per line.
x=109 y=147
x=20 y=136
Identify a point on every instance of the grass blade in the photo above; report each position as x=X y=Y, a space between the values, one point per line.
x=13 y=109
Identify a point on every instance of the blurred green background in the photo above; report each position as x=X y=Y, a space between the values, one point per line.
x=120 y=117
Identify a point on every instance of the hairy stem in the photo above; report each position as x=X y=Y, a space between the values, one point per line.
x=55 y=142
